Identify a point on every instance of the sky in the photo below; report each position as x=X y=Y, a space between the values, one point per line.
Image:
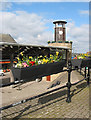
x=32 y=22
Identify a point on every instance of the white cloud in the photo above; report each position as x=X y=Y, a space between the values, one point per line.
x=25 y=27
x=5 y=5
x=84 y=12
x=79 y=36
x=31 y=29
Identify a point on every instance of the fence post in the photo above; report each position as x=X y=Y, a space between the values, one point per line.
x=85 y=72
x=88 y=76
x=80 y=70
x=69 y=83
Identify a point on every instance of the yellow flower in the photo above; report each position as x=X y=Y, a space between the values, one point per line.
x=30 y=57
x=57 y=53
x=18 y=58
x=40 y=56
x=51 y=55
x=47 y=60
x=44 y=60
x=21 y=53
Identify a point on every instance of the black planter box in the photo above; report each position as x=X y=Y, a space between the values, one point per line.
x=78 y=63
x=33 y=72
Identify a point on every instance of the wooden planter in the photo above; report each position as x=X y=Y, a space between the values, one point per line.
x=80 y=63
x=33 y=72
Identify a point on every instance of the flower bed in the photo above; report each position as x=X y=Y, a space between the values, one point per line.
x=33 y=72
x=27 y=61
x=82 y=60
x=82 y=56
x=30 y=68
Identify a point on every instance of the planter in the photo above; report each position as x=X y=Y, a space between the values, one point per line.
x=86 y=63
x=33 y=72
x=77 y=63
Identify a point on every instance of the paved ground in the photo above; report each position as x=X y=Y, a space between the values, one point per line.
x=12 y=94
x=5 y=79
x=54 y=105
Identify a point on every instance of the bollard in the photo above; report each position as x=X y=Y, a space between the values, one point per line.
x=69 y=83
x=88 y=76
x=48 y=78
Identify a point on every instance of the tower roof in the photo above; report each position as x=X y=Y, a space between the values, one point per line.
x=59 y=21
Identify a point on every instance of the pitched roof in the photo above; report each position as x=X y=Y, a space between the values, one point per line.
x=6 y=38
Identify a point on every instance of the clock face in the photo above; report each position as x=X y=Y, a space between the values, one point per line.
x=60 y=32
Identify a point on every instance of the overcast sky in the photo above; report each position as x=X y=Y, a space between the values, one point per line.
x=32 y=22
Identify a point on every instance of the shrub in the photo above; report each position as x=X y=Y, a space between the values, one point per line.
x=71 y=42
x=59 y=41
x=53 y=41
x=66 y=41
x=48 y=42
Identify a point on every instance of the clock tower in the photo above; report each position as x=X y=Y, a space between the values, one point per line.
x=60 y=31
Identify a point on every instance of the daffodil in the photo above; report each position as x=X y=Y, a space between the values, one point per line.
x=47 y=60
x=44 y=59
x=51 y=55
x=45 y=56
x=57 y=53
x=21 y=53
x=30 y=57
x=18 y=58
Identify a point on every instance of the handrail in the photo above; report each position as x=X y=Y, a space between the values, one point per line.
x=31 y=98
x=79 y=81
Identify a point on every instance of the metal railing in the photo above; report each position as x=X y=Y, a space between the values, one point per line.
x=68 y=85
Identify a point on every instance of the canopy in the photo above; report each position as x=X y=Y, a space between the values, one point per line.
x=7 y=49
